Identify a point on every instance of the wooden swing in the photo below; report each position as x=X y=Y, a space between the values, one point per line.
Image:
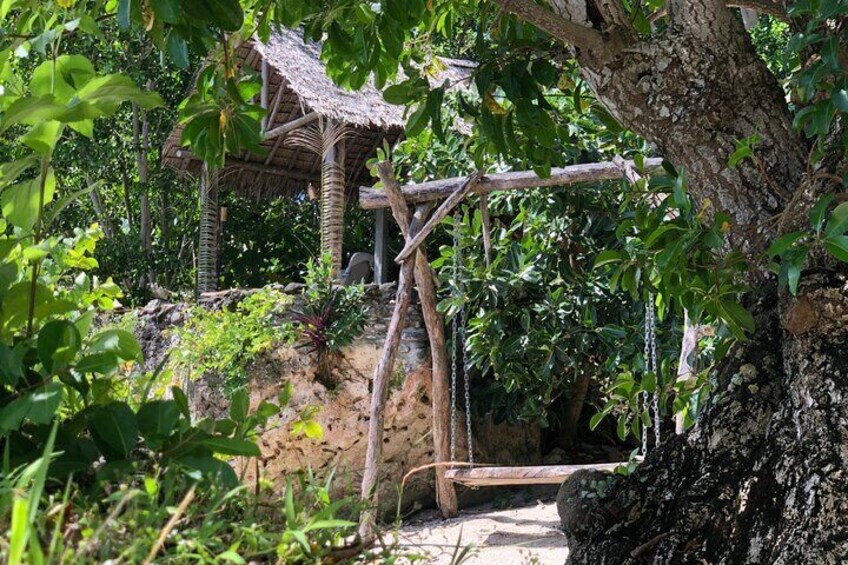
x=482 y=476
x=415 y=227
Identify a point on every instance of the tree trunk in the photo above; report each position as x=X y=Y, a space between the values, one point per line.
x=574 y=408
x=761 y=477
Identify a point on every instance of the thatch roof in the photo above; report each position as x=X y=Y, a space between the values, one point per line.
x=299 y=85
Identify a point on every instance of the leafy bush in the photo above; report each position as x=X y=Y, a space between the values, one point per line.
x=225 y=341
x=332 y=315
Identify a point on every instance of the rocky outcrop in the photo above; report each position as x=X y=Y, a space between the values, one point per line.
x=343 y=408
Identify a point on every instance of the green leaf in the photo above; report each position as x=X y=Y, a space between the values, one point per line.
x=840 y=99
x=11 y=363
x=783 y=243
x=818 y=211
x=737 y=314
x=177 y=49
x=607 y=257
x=158 y=418
x=114 y=429
x=45 y=402
x=239 y=404
x=837 y=246
x=225 y=14
x=20 y=202
x=120 y=342
x=43 y=137
x=838 y=222
x=659 y=232
x=101 y=363
x=182 y=401
x=59 y=342
x=13 y=413
x=232 y=446
x=313 y=430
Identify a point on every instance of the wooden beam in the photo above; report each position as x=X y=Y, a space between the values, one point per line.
x=379 y=390
x=504 y=476
x=371 y=198
x=433 y=321
x=440 y=214
x=291 y=126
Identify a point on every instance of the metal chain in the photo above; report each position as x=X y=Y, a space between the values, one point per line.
x=655 y=368
x=647 y=358
x=466 y=379
x=454 y=340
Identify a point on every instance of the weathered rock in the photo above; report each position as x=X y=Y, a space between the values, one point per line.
x=579 y=503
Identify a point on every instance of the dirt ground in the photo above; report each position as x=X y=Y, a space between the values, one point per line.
x=499 y=533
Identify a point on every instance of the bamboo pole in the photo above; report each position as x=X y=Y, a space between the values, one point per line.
x=433 y=321
x=382 y=374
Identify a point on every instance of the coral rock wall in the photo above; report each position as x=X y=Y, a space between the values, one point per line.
x=344 y=408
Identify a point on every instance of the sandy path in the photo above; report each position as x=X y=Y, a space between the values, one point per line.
x=527 y=534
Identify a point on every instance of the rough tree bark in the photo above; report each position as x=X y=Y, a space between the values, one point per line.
x=761 y=478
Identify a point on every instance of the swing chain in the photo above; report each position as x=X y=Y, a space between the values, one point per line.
x=656 y=369
x=647 y=358
x=454 y=338
x=465 y=375
x=650 y=355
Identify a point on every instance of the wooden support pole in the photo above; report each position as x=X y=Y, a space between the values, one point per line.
x=291 y=126
x=371 y=198
x=380 y=249
x=487 y=228
x=440 y=214
x=433 y=321
x=379 y=389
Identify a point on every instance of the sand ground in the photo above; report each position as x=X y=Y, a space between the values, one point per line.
x=519 y=535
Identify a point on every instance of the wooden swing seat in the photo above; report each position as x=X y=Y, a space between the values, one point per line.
x=505 y=476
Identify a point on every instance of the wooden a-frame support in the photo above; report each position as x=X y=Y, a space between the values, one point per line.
x=414 y=265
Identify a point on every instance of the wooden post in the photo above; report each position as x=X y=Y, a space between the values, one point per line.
x=445 y=491
x=487 y=228
x=380 y=250
x=379 y=389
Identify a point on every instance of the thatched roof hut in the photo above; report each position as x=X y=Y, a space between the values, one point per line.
x=298 y=86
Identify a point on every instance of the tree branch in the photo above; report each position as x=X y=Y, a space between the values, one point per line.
x=557 y=26
x=776 y=8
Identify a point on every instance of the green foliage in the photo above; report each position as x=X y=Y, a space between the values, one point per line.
x=332 y=315
x=226 y=342
x=789 y=253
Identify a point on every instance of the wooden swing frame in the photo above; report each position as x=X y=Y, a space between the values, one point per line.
x=416 y=225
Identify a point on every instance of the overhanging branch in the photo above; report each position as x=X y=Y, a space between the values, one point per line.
x=557 y=26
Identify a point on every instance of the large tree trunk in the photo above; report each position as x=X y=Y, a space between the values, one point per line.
x=761 y=478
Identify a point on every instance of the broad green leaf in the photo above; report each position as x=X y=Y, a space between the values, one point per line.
x=182 y=401
x=45 y=402
x=9 y=172
x=818 y=211
x=32 y=110
x=840 y=99
x=120 y=342
x=783 y=243
x=232 y=446
x=107 y=92
x=659 y=232
x=158 y=418
x=837 y=246
x=13 y=413
x=239 y=404
x=20 y=202
x=114 y=428
x=313 y=430
x=59 y=342
x=101 y=363
x=607 y=257
x=11 y=363
x=838 y=222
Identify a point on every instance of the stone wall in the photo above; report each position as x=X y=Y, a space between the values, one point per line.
x=344 y=408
